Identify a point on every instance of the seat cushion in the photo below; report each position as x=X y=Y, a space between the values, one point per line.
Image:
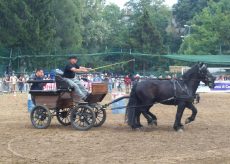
x=61 y=83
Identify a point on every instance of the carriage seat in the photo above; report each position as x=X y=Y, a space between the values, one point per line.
x=44 y=93
x=62 y=84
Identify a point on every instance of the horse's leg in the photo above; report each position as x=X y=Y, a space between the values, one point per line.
x=180 y=110
x=194 y=113
x=135 y=121
x=151 y=118
x=138 y=122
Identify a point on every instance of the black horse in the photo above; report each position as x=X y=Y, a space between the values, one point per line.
x=169 y=92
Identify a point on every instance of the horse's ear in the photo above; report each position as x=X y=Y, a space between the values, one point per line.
x=203 y=66
x=200 y=64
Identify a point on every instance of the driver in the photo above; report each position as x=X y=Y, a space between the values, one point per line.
x=69 y=75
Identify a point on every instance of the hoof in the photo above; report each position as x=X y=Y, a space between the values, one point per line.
x=140 y=128
x=137 y=127
x=153 y=122
x=180 y=130
x=187 y=121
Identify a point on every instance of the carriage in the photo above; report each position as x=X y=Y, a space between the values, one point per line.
x=83 y=116
x=64 y=104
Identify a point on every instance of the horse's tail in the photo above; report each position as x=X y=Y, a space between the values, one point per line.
x=131 y=110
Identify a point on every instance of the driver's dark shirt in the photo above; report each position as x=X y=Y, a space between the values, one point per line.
x=67 y=71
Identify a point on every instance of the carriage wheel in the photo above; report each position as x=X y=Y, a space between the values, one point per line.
x=63 y=116
x=82 y=117
x=100 y=115
x=40 y=117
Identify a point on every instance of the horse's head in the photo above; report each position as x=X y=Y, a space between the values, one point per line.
x=205 y=76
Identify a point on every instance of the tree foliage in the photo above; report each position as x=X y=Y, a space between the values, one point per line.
x=34 y=27
x=210 y=30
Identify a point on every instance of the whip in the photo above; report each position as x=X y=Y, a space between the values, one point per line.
x=110 y=65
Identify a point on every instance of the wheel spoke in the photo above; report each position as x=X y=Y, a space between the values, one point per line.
x=64 y=116
x=98 y=119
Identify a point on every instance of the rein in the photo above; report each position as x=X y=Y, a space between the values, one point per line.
x=124 y=97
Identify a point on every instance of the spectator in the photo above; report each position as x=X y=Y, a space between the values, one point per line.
x=127 y=81
x=160 y=77
x=6 y=83
x=110 y=84
x=119 y=85
x=1 y=85
x=137 y=78
x=97 y=79
x=13 y=81
x=26 y=85
x=21 y=82
x=168 y=77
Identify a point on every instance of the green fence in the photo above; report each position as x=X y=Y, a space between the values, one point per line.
x=26 y=61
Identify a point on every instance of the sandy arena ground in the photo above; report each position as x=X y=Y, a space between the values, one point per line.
x=207 y=140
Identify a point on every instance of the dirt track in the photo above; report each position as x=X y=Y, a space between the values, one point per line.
x=207 y=140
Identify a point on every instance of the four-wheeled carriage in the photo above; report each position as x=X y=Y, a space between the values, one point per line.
x=63 y=103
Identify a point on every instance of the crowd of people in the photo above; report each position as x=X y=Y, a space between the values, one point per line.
x=120 y=83
x=13 y=83
x=223 y=78
x=17 y=83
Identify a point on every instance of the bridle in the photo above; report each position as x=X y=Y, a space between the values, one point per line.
x=206 y=76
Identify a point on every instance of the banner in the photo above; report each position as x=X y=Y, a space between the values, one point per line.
x=222 y=86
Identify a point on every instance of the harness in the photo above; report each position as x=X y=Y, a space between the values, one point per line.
x=184 y=94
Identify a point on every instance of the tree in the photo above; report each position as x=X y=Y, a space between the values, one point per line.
x=95 y=30
x=148 y=20
x=27 y=24
x=185 y=10
x=113 y=16
x=211 y=30
x=146 y=36
x=68 y=24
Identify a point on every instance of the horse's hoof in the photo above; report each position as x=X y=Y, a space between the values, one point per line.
x=140 y=128
x=180 y=130
x=133 y=129
x=137 y=127
x=187 y=121
x=154 y=122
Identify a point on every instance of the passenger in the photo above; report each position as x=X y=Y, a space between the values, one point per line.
x=69 y=75
x=39 y=75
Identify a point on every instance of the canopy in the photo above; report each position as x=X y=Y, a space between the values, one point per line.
x=208 y=59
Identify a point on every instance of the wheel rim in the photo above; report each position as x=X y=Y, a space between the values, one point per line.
x=64 y=115
x=40 y=117
x=99 y=115
x=83 y=117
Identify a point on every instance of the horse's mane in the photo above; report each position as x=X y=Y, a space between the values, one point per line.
x=190 y=72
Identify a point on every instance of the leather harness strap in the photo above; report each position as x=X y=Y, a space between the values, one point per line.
x=185 y=92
